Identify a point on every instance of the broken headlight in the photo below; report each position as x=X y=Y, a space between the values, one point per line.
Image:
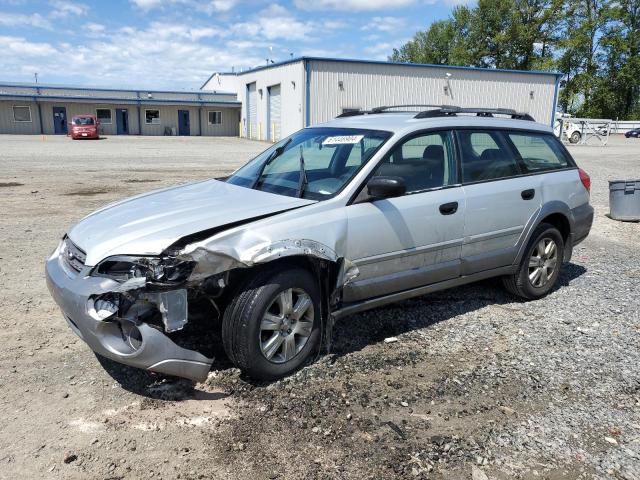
x=159 y=270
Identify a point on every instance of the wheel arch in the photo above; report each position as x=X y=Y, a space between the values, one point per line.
x=559 y=215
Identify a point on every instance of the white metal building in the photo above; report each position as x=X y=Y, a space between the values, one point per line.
x=46 y=109
x=280 y=98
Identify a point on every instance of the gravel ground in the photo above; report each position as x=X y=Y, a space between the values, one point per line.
x=476 y=385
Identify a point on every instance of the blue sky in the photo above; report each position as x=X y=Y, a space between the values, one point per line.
x=177 y=44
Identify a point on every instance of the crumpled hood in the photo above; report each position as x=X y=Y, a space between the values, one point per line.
x=147 y=224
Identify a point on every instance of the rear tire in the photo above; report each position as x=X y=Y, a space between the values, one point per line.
x=272 y=325
x=539 y=268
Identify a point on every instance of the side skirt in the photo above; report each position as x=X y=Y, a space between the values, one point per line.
x=349 y=309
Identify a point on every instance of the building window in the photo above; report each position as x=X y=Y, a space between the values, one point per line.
x=21 y=113
x=215 y=118
x=104 y=115
x=152 y=117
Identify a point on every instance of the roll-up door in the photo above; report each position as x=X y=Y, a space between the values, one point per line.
x=274 y=113
x=252 y=111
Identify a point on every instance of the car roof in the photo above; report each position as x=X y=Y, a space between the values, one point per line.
x=404 y=122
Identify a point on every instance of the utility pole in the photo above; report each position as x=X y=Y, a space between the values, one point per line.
x=36 y=75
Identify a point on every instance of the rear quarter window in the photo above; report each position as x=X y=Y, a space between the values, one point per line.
x=539 y=152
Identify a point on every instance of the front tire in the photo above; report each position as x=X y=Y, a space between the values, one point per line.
x=272 y=325
x=539 y=268
x=575 y=137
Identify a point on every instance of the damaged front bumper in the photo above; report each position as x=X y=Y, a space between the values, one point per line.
x=124 y=340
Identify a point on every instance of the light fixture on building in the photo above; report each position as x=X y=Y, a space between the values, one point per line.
x=260 y=92
x=293 y=84
x=531 y=93
x=447 y=87
x=340 y=84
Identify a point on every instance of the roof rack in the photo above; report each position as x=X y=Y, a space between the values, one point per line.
x=480 y=112
x=386 y=109
x=443 y=111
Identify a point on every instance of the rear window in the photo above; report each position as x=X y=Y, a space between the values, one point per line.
x=539 y=152
x=83 y=121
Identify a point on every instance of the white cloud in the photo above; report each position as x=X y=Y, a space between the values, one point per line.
x=65 y=8
x=385 y=24
x=130 y=57
x=208 y=7
x=147 y=4
x=18 y=46
x=354 y=5
x=381 y=51
x=223 y=5
x=21 y=20
x=276 y=22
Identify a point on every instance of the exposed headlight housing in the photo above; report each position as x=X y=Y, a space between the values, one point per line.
x=168 y=271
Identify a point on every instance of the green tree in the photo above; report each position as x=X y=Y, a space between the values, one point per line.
x=595 y=43
x=581 y=52
x=617 y=92
x=444 y=43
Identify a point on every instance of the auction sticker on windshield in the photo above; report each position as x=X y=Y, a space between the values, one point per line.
x=342 y=139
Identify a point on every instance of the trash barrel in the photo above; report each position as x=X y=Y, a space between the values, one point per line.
x=624 y=200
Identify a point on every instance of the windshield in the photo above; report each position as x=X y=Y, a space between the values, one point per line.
x=83 y=121
x=314 y=163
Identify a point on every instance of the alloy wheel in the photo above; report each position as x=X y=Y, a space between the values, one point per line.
x=286 y=325
x=543 y=262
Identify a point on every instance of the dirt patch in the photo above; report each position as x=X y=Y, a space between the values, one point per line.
x=88 y=192
x=141 y=180
x=11 y=184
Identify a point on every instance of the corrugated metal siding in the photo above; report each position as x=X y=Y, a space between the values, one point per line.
x=7 y=123
x=230 y=122
x=290 y=77
x=168 y=118
x=367 y=86
x=87 y=108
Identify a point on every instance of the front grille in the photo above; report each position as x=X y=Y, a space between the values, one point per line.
x=72 y=256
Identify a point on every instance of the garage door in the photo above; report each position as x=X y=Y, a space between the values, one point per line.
x=252 y=111
x=274 y=113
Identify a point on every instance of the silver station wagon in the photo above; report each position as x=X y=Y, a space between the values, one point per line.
x=370 y=208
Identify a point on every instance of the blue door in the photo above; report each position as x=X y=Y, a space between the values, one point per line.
x=122 y=121
x=183 y=123
x=60 y=120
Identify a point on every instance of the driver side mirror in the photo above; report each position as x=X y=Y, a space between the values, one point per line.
x=386 y=187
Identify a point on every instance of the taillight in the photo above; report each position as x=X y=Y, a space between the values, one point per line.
x=585 y=179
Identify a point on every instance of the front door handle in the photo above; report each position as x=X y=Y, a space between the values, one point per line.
x=528 y=194
x=449 y=208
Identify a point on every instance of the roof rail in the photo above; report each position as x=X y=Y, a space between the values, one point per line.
x=443 y=111
x=479 y=111
x=386 y=108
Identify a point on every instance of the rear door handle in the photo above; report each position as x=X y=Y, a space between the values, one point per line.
x=528 y=194
x=449 y=208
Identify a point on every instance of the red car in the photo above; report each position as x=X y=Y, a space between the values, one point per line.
x=84 y=126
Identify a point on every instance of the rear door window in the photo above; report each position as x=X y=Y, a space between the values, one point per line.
x=486 y=155
x=539 y=152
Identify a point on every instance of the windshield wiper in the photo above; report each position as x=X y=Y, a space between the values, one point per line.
x=275 y=154
x=303 y=181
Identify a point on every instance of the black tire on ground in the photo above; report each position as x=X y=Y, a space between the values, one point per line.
x=521 y=284
x=575 y=137
x=242 y=334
